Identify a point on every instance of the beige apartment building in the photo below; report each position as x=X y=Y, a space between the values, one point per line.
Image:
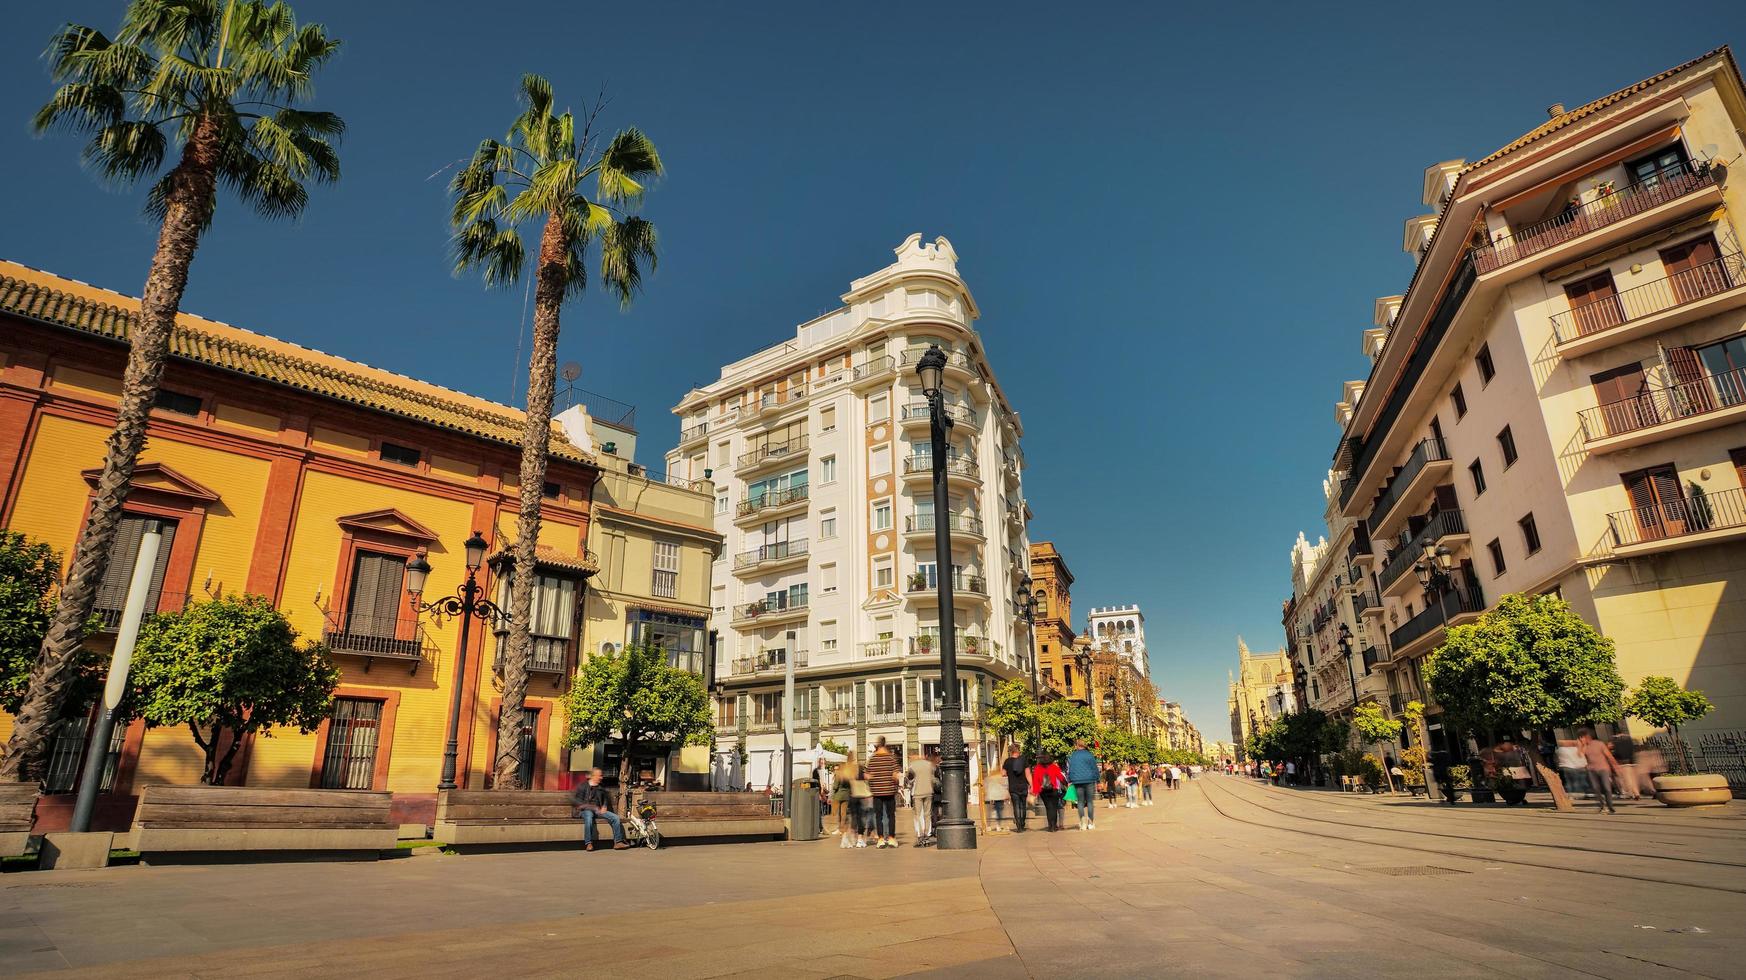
x=1555 y=403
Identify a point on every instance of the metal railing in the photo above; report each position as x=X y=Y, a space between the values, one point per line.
x=1373 y=658
x=926 y=642
x=837 y=717
x=1438 y=527
x=1454 y=602
x=770 y=552
x=954 y=358
x=548 y=656
x=109 y=602
x=1659 y=296
x=957 y=413
x=767 y=662
x=1692 y=514
x=772 y=450
x=1365 y=599
x=764 y=607
x=777 y=399
x=1722 y=753
x=1656 y=406
x=772 y=499
x=1577 y=220
x=395 y=637
x=921 y=584
x=872 y=368
x=924 y=463
x=691 y=432
x=954 y=522
x=1425 y=453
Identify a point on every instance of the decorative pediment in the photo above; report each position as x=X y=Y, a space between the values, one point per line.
x=389 y=522
x=160 y=479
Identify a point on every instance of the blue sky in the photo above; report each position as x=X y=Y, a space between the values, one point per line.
x=1175 y=219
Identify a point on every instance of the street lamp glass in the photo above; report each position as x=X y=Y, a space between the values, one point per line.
x=417 y=570
x=475 y=546
x=929 y=369
x=1423 y=571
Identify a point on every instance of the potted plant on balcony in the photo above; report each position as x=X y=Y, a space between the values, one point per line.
x=918 y=582
x=925 y=643
x=1663 y=703
x=972 y=643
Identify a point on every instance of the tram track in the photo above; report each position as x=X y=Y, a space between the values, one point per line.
x=1495 y=851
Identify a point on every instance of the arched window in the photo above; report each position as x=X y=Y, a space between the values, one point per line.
x=1042 y=603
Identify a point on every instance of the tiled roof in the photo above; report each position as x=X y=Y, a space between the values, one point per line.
x=1579 y=113
x=545 y=554
x=76 y=306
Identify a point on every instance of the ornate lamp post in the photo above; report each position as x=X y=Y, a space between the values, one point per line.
x=1346 y=651
x=467 y=603
x=955 y=831
x=1432 y=570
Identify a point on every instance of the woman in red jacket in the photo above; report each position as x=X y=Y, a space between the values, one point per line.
x=1047 y=781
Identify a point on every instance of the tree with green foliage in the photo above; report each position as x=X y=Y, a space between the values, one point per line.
x=832 y=745
x=1012 y=712
x=210 y=85
x=1530 y=664
x=229 y=667
x=635 y=695
x=540 y=174
x=1370 y=724
x=1661 y=702
x=1060 y=723
x=29 y=572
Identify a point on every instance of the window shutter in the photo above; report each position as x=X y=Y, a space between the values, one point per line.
x=1620 y=393
x=1691 y=269
x=1641 y=489
x=112 y=594
x=376 y=591
x=1589 y=306
x=1693 y=392
x=1669 y=499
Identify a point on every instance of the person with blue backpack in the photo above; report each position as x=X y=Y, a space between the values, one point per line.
x=1082 y=773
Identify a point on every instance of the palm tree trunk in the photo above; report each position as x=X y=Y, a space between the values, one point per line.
x=536 y=438
x=188 y=208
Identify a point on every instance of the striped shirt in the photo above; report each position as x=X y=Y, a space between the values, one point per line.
x=881 y=774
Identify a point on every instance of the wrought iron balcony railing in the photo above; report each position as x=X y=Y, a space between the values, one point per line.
x=390 y=637
x=1667 y=184
x=764 y=607
x=779 y=551
x=954 y=522
x=1454 y=602
x=957 y=413
x=920 y=583
x=1429 y=451
x=771 y=499
x=1656 y=406
x=1679 y=516
x=1658 y=296
x=924 y=463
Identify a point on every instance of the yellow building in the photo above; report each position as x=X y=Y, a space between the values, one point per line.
x=1260 y=692
x=1053 y=585
x=311 y=480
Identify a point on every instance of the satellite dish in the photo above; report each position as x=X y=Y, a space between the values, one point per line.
x=570 y=371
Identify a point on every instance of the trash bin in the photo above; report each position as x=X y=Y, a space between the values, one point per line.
x=803 y=817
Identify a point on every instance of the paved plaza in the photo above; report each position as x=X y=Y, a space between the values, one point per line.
x=1225 y=877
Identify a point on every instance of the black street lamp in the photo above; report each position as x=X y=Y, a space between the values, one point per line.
x=466 y=603
x=1026 y=601
x=955 y=831
x=1432 y=569
x=1346 y=650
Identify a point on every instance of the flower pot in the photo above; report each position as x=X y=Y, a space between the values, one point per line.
x=1483 y=794
x=1703 y=789
x=1514 y=797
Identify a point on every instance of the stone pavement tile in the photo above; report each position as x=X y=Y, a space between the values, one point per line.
x=938 y=952
x=1614 y=966
x=849 y=965
x=1008 y=967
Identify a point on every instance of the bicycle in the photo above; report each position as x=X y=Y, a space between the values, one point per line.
x=640 y=827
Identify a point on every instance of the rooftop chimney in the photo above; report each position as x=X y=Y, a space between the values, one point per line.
x=1555 y=110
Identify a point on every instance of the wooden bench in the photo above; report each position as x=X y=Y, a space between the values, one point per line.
x=17 y=814
x=211 y=821
x=473 y=817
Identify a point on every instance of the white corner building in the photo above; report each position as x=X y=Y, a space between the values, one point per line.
x=819 y=451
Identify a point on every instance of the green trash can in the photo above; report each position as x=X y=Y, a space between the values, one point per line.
x=803 y=815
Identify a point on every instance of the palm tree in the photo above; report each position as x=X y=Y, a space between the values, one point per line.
x=213 y=81
x=548 y=164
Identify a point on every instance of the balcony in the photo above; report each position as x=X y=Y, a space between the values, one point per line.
x=1680 y=522
x=1704 y=402
x=921 y=587
x=1426 y=466
x=767 y=662
x=915 y=415
x=920 y=527
x=1616 y=209
x=774 y=503
x=1445 y=528
x=837 y=717
x=872 y=371
x=377 y=638
x=770 y=455
x=763 y=612
x=1017 y=514
x=958 y=364
x=1663 y=304
x=693 y=433
x=109 y=603
x=926 y=643
x=960 y=470
x=770 y=557
x=1457 y=606
x=874 y=651
x=1360 y=552
x=550 y=653
x=774 y=402
x=1366 y=603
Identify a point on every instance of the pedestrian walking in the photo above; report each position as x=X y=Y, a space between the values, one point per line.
x=1082 y=773
x=1602 y=768
x=1290 y=773
x=846 y=773
x=996 y=792
x=1047 y=781
x=1107 y=784
x=919 y=777
x=1148 y=778
x=1018 y=786
x=1572 y=769
x=1625 y=753
x=1131 y=786
x=882 y=781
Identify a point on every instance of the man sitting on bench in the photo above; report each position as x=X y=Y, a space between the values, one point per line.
x=592 y=800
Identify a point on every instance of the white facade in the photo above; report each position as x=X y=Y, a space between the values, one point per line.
x=1121 y=629
x=819 y=451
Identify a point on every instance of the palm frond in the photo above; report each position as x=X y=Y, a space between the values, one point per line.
x=625 y=164
x=81 y=108
x=626 y=247
x=126 y=150
x=495 y=252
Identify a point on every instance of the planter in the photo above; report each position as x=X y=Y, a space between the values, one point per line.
x=1483 y=795
x=1514 y=797
x=1704 y=789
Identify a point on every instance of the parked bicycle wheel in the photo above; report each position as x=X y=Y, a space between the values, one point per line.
x=652 y=837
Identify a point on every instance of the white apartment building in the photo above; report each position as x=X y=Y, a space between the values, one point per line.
x=1558 y=400
x=819 y=451
x=1122 y=630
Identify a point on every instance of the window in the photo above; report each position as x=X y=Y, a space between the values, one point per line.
x=352 y=738
x=403 y=455
x=827 y=419
x=721 y=456
x=827 y=470
x=887 y=697
x=767 y=708
x=728 y=712
x=373 y=608
x=554 y=618
x=882 y=574
x=681 y=636
x=933 y=693
x=1724 y=362
x=112 y=593
x=175 y=401
x=882 y=515
x=1459 y=399
x=1658 y=507
x=550 y=490
x=1650 y=170
x=1497 y=556
x=721 y=503
x=827 y=579
x=67 y=755
x=1594 y=304
x=827 y=524
x=1487 y=369
x=1476 y=469
x=666 y=584
x=1507 y=442
x=879 y=461
x=827 y=635
x=1530 y=533
x=878 y=408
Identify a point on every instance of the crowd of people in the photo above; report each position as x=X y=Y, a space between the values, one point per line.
x=865 y=795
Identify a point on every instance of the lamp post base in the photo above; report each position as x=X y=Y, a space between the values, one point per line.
x=955 y=835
